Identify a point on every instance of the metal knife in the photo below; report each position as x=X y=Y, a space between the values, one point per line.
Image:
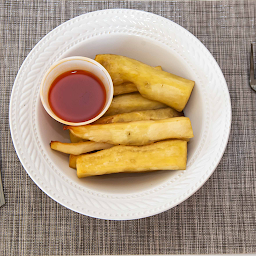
x=2 y=201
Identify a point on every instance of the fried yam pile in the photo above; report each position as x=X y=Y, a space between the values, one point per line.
x=144 y=128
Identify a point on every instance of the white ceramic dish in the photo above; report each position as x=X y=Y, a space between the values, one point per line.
x=69 y=64
x=155 y=41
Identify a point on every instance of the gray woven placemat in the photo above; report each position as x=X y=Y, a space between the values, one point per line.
x=219 y=218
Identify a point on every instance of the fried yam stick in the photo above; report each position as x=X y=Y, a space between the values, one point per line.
x=128 y=87
x=125 y=88
x=72 y=161
x=165 y=155
x=136 y=133
x=74 y=139
x=153 y=84
x=132 y=102
x=156 y=114
x=79 y=147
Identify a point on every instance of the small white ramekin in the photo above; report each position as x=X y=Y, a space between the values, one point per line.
x=75 y=63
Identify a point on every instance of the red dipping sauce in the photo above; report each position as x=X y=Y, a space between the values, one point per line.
x=77 y=96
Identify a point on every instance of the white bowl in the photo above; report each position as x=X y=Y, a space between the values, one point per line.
x=75 y=63
x=155 y=41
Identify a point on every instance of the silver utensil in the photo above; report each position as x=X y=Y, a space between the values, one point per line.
x=2 y=201
x=252 y=77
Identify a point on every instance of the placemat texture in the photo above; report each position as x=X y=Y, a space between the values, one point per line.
x=219 y=218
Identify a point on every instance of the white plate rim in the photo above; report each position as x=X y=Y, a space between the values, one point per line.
x=153 y=211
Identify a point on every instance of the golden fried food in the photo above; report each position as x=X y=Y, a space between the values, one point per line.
x=153 y=84
x=79 y=147
x=125 y=88
x=165 y=155
x=132 y=102
x=136 y=133
x=128 y=87
x=144 y=128
x=74 y=139
x=72 y=161
x=156 y=114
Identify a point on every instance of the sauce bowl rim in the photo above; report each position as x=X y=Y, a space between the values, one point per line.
x=109 y=96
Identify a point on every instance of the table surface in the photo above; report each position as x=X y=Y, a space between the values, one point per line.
x=219 y=218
